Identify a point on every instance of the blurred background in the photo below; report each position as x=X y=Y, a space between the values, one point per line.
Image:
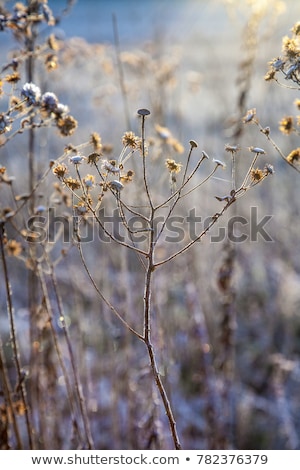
x=228 y=356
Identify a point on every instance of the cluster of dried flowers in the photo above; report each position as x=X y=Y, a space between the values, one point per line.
x=288 y=66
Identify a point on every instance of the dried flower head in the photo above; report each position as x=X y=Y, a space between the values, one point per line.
x=116 y=185
x=95 y=140
x=72 y=183
x=61 y=110
x=60 y=170
x=172 y=166
x=143 y=112
x=49 y=102
x=163 y=132
x=296 y=28
x=110 y=166
x=266 y=130
x=89 y=181
x=193 y=144
x=257 y=150
x=93 y=158
x=256 y=175
x=66 y=125
x=77 y=159
x=13 y=77
x=297 y=103
x=128 y=177
x=32 y=93
x=130 y=140
x=51 y=62
x=286 y=125
x=13 y=248
x=269 y=169
x=232 y=148
x=290 y=47
x=5 y=123
x=176 y=145
x=250 y=115
x=53 y=43
x=294 y=156
x=219 y=163
x=270 y=75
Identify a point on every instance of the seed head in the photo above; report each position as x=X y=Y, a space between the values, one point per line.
x=13 y=248
x=286 y=125
x=32 y=93
x=257 y=150
x=77 y=159
x=72 y=183
x=95 y=140
x=116 y=185
x=66 y=125
x=294 y=156
x=193 y=144
x=143 y=112
x=89 y=181
x=256 y=175
x=249 y=116
x=130 y=140
x=60 y=170
x=232 y=148
x=219 y=163
x=49 y=102
x=269 y=169
x=172 y=166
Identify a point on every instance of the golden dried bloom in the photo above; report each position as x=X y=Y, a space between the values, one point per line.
x=286 y=125
x=2 y=170
x=297 y=103
x=66 y=125
x=290 y=47
x=177 y=146
x=13 y=248
x=51 y=62
x=72 y=183
x=130 y=140
x=270 y=75
x=128 y=177
x=256 y=175
x=16 y=103
x=172 y=166
x=13 y=77
x=60 y=170
x=95 y=140
x=296 y=28
x=53 y=43
x=294 y=156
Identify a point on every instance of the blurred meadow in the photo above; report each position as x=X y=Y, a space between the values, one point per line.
x=149 y=218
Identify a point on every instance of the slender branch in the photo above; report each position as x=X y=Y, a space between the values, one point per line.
x=21 y=385
x=109 y=305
